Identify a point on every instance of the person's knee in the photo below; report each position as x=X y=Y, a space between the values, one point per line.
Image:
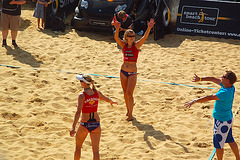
x=124 y=90
x=129 y=93
x=95 y=149
x=78 y=147
x=233 y=144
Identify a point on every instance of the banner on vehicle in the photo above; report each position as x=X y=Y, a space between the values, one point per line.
x=209 y=18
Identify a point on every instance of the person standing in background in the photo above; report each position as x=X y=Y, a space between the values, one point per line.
x=39 y=12
x=10 y=17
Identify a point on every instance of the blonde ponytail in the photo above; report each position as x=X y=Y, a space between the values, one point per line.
x=93 y=86
x=89 y=81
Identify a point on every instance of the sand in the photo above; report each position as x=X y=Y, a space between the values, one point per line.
x=38 y=96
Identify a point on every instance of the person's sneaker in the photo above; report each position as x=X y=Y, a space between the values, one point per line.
x=15 y=45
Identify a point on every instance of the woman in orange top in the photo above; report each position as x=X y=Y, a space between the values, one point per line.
x=90 y=121
x=128 y=73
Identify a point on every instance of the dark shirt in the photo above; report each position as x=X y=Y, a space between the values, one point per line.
x=11 y=9
x=124 y=24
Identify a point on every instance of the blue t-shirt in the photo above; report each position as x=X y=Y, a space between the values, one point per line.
x=223 y=107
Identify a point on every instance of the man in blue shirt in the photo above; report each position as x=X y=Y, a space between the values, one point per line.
x=222 y=111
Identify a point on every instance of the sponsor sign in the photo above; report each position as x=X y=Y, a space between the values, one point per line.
x=209 y=18
x=199 y=15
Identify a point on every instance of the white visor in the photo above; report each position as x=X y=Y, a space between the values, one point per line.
x=81 y=78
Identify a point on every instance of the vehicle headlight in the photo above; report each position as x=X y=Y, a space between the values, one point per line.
x=84 y=4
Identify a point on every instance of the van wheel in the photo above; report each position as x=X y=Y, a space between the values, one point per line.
x=165 y=16
x=54 y=6
x=162 y=19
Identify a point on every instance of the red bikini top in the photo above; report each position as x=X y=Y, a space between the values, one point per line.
x=130 y=54
x=90 y=103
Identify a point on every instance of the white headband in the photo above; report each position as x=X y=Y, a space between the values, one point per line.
x=81 y=78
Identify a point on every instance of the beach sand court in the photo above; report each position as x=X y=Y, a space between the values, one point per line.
x=38 y=95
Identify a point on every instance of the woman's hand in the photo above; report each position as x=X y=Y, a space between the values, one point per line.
x=72 y=132
x=121 y=29
x=116 y=24
x=196 y=78
x=113 y=103
x=151 y=23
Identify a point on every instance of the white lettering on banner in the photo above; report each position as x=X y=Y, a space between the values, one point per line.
x=210 y=18
x=198 y=17
x=184 y=30
x=192 y=17
x=209 y=32
x=234 y=34
x=191 y=13
x=201 y=31
x=63 y=3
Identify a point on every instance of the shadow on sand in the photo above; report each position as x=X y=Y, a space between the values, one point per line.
x=151 y=132
x=23 y=56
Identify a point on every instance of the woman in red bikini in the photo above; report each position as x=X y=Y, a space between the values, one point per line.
x=90 y=121
x=128 y=73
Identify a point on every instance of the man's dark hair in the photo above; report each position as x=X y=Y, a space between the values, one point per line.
x=231 y=77
x=121 y=14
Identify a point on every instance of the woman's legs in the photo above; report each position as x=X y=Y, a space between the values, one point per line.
x=124 y=81
x=128 y=85
x=95 y=138
x=82 y=133
x=42 y=23
x=38 y=22
x=132 y=80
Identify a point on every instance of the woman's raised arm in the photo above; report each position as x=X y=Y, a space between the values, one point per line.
x=120 y=42
x=140 y=42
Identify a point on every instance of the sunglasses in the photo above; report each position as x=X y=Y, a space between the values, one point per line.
x=131 y=36
x=224 y=77
x=81 y=80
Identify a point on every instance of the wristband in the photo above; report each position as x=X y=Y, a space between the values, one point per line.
x=200 y=79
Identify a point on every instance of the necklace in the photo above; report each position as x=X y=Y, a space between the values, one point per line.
x=87 y=89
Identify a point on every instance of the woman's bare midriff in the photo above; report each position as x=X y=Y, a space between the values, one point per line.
x=129 y=66
x=86 y=117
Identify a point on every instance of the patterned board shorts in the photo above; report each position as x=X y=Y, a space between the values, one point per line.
x=222 y=133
